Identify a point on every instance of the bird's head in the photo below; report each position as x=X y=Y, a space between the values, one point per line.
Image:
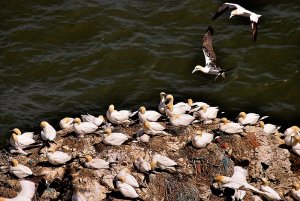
x=219 y=179
x=14 y=162
x=111 y=108
x=233 y=13
x=153 y=164
x=190 y=102
x=197 y=68
x=170 y=97
x=224 y=120
x=243 y=115
x=66 y=120
x=199 y=133
x=77 y=120
x=296 y=186
x=261 y=124
x=122 y=179
x=295 y=128
x=108 y=131
x=43 y=124
x=17 y=131
x=15 y=137
x=88 y=158
x=142 y=109
x=146 y=125
x=203 y=108
x=162 y=95
x=265 y=181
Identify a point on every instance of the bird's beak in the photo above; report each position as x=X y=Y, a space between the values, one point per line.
x=230 y=16
x=195 y=69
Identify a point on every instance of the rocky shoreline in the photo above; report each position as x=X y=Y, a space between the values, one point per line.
x=262 y=154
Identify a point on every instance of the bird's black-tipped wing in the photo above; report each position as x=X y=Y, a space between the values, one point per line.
x=222 y=9
x=208 y=51
x=254 y=30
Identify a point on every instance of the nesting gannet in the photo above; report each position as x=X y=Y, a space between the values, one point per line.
x=195 y=106
x=118 y=117
x=289 y=132
x=268 y=192
x=201 y=139
x=114 y=139
x=162 y=105
x=19 y=170
x=207 y=113
x=296 y=145
x=178 y=108
x=57 y=157
x=163 y=162
x=142 y=165
x=96 y=163
x=26 y=194
x=153 y=128
x=269 y=128
x=27 y=134
x=48 y=132
x=239 y=10
x=230 y=127
x=211 y=66
x=21 y=141
x=82 y=128
x=178 y=119
x=249 y=118
x=126 y=189
x=95 y=120
x=296 y=191
x=237 y=180
x=66 y=123
x=77 y=196
x=148 y=115
x=128 y=178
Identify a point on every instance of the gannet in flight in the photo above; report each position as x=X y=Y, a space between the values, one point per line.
x=239 y=10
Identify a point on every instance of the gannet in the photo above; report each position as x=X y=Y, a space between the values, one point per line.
x=237 y=180
x=114 y=139
x=269 y=128
x=289 y=132
x=249 y=119
x=128 y=178
x=239 y=10
x=161 y=105
x=126 y=189
x=201 y=139
x=82 y=128
x=19 y=170
x=21 y=141
x=207 y=113
x=77 y=196
x=148 y=115
x=178 y=108
x=27 y=134
x=26 y=194
x=296 y=191
x=163 y=162
x=178 y=119
x=48 y=132
x=66 y=123
x=211 y=66
x=96 y=163
x=142 y=165
x=153 y=128
x=195 y=106
x=296 y=145
x=95 y=120
x=57 y=157
x=268 y=192
x=118 y=117
x=230 y=127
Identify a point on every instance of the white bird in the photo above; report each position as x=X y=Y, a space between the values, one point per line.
x=142 y=165
x=296 y=145
x=162 y=105
x=268 y=192
x=27 y=134
x=48 y=132
x=21 y=141
x=249 y=118
x=96 y=163
x=268 y=128
x=126 y=189
x=230 y=127
x=82 y=128
x=239 y=10
x=26 y=194
x=201 y=139
x=95 y=120
x=153 y=128
x=118 y=117
x=19 y=170
x=211 y=66
x=148 y=115
x=237 y=180
x=57 y=157
x=207 y=113
x=296 y=191
x=195 y=106
x=77 y=196
x=163 y=162
x=178 y=119
x=128 y=178
x=114 y=139
x=288 y=133
x=178 y=108
x=66 y=123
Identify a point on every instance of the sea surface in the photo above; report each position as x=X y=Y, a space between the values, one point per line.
x=66 y=58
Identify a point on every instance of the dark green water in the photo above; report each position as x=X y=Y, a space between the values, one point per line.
x=65 y=58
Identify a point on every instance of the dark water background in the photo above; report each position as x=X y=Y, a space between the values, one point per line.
x=65 y=58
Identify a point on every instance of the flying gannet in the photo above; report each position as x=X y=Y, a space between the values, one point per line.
x=239 y=10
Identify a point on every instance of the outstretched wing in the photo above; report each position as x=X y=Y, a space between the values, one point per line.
x=222 y=9
x=254 y=30
x=208 y=51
